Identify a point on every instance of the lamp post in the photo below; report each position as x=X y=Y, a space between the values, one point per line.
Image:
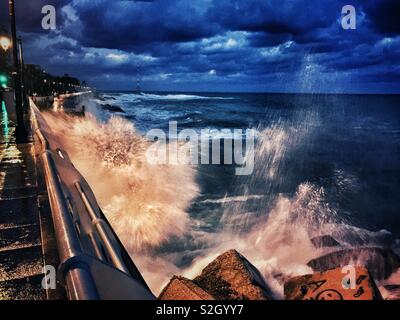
x=20 y=131
x=22 y=68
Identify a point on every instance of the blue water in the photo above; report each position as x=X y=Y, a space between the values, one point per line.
x=323 y=165
x=347 y=144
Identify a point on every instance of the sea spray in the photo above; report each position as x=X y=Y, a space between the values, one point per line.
x=279 y=243
x=146 y=204
x=274 y=146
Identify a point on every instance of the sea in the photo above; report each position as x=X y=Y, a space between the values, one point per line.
x=324 y=164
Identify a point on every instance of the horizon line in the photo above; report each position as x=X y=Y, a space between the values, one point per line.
x=251 y=92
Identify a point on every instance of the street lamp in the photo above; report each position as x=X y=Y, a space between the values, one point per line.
x=5 y=43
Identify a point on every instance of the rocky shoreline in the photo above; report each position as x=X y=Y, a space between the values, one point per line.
x=107 y=106
x=345 y=274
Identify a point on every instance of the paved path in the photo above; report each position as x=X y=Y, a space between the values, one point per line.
x=21 y=257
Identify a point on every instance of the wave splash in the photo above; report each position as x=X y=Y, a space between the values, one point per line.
x=279 y=243
x=145 y=203
x=277 y=238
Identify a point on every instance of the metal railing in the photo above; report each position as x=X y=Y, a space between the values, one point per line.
x=101 y=227
x=93 y=262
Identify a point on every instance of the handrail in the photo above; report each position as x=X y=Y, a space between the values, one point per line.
x=76 y=262
x=68 y=244
x=100 y=226
x=77 y=275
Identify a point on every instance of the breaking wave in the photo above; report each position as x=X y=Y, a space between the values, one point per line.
x=133 y=97
x=227 y=199
x=145 y=203
x=148 y=204
x=179 y=97
x=277 y=238
x=279 y=242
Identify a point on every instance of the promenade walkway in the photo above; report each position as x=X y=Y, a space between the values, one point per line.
x=21 y=257
x=73 y=229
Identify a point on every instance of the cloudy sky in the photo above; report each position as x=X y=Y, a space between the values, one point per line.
x=217 y=45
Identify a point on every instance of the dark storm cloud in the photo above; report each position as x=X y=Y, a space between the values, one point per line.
x=66 y=46
x=384 y=16
x=220 y=44
x=384 y=55
x=266 y=39
x=133 y=24
x=275 y=16
x=29 y=13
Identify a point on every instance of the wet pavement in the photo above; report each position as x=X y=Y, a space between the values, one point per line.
x=21 y=257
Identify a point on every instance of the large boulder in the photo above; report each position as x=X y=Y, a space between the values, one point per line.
x=180 y=288
x=231 y=276
x=112 y=108
x=324 y=241
x=380 y=262
x=333 y=285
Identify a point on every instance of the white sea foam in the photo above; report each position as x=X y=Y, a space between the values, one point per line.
x=279 y=242
x=132 y=97
x=234 y=199
x=147 y=205
x=179 y=97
